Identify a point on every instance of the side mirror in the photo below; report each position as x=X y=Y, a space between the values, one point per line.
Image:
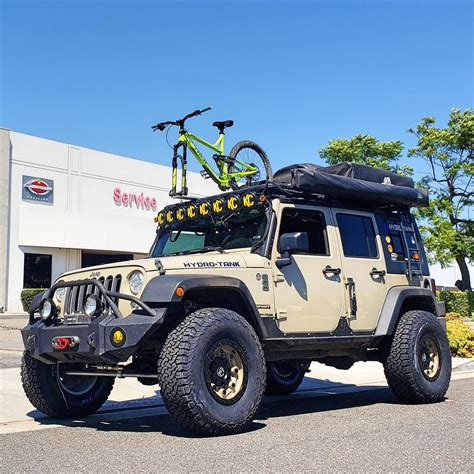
x=291 y=243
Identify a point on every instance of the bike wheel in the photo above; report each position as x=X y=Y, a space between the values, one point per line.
x=249 y=153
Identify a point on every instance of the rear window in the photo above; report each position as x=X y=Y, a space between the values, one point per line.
x=357 y=236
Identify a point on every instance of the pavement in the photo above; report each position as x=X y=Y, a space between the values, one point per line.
x=337 y=420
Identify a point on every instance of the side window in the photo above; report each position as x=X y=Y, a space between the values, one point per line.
x=394 y=240
x=311 y=222
x=357 y=236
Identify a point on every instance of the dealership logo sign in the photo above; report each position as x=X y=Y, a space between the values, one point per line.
x=37 y=189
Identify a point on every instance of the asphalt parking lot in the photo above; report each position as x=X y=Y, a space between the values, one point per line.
x=337 y=421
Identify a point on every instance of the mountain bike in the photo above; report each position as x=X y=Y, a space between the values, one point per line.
x=245 y=165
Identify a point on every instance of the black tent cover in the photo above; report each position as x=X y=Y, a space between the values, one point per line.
x=350 y=181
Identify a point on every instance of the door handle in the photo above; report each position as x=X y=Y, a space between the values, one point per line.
x=334 y=271
x=377 y=272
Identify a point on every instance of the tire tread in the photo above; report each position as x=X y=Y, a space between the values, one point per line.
x=33 y=380
x=175 y=373
x=399 y=366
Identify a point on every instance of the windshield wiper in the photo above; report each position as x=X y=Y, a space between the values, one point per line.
x=204 y=250
x=201 y=250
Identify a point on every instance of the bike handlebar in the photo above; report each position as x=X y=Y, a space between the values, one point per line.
x=162 y=125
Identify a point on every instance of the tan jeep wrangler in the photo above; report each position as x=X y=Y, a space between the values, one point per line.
x=239 y=293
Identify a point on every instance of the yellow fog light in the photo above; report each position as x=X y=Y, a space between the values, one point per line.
x=117 y=337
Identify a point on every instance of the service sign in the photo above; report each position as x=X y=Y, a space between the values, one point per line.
x=208 y=207
x=37 y=189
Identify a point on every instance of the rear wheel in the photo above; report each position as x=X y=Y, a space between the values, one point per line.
x=212 y=372
x=418 y=366
x=248 y=153
x=284 y=377
x=53 y=392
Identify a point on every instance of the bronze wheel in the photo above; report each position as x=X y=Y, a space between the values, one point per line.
x=226 y=372
x=429 y=357
x=212 y=372
x=418 y=365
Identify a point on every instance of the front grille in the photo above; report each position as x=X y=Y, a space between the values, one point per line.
x=74 y=301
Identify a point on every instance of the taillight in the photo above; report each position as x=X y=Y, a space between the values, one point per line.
x=433 y=285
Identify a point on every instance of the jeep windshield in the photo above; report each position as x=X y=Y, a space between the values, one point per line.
x=240 y=229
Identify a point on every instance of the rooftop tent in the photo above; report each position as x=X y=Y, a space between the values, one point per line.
x=369 y=173
x=352 y=181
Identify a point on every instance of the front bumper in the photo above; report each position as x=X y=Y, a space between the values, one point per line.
x=93 y=342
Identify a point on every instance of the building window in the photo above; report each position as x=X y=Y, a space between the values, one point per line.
x=37 y=270
x=357 y=236
x=309 y=221
x=90 y=259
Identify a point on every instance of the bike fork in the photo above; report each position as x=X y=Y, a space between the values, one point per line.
x=174 y=175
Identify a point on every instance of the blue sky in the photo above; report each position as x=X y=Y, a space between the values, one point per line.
x=291 y=74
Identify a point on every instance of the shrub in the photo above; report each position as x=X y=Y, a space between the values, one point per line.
x=470 y=299
x=461 y=302
x=461 y=338
x=454 y=317
x=27 y=295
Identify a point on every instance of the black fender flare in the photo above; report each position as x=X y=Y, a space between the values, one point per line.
x=394 y=301
x=162 y=290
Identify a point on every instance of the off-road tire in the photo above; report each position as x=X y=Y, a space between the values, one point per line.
x=43 y=390
x=182 y=372
x=239 y=148
x=284 y=377
x=403 y=368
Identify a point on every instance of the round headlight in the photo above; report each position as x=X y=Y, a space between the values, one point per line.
x=60 y=293
x=47 y=309
x=136 y=281
x=92 y=305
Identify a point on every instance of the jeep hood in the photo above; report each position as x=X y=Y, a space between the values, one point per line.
x=209 y=260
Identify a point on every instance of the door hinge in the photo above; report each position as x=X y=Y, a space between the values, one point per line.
x=278 y=277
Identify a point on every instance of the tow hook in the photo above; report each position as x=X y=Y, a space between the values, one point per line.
x=64 y=342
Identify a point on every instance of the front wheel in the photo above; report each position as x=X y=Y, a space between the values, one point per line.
x=212 y=372
x=251 y=162
x=52 y=391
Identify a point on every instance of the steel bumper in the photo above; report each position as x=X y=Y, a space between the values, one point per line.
x=93 y=341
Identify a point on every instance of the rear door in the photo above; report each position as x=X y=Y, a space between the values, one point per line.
x=363 y=267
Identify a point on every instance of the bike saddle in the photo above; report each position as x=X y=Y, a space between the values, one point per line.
x=224 y=124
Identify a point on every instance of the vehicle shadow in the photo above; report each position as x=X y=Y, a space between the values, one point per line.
x=315 y=396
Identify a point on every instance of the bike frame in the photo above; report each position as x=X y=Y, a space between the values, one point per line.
x=222 y=178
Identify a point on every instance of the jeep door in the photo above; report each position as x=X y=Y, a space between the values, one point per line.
x=308 y=291
x=363 y=267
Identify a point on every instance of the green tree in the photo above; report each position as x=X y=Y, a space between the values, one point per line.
x=365 y=150
x=447 y=227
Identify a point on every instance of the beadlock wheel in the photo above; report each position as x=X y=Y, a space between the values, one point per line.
x=226 y=372
x=212 y=372
x=429 y=357
x=418 y=365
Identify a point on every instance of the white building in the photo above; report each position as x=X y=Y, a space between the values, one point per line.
x=64 y=207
